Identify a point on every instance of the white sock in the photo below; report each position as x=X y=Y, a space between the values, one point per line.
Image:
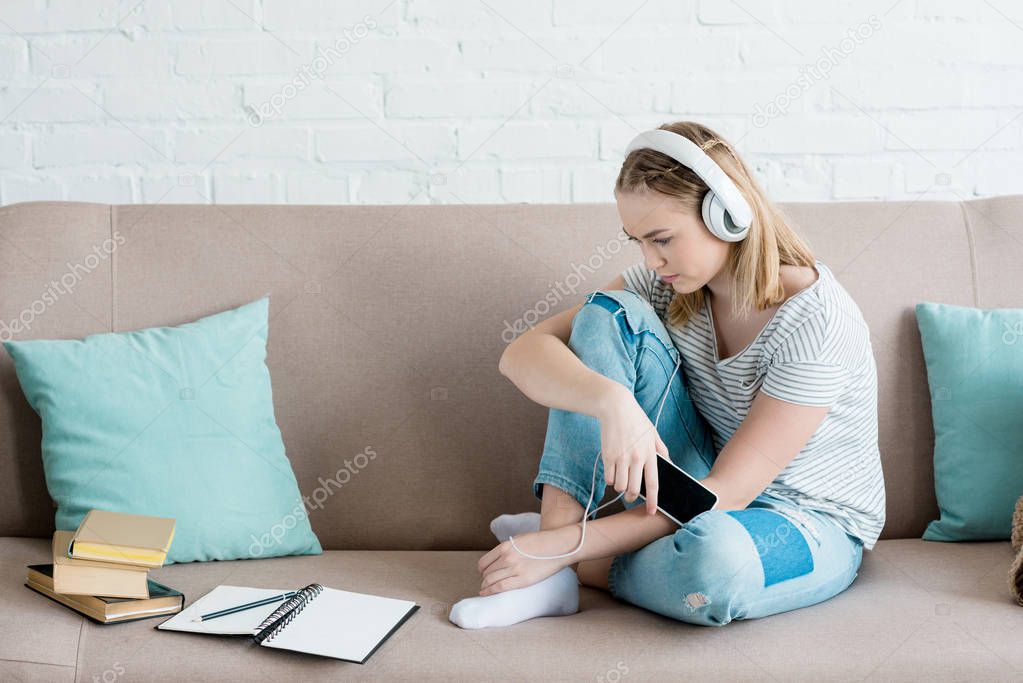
x=505 y=526
x=555 y=596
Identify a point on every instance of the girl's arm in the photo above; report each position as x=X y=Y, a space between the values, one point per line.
x=769 y=438
x=545 y=369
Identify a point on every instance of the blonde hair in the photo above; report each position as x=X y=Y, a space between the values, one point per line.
x=754 y=262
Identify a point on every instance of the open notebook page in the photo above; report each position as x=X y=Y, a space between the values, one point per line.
x=341 y=624
x=222 y=597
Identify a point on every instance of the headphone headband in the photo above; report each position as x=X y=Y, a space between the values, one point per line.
x=687 y=152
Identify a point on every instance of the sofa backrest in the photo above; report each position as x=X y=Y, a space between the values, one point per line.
x=387 y=323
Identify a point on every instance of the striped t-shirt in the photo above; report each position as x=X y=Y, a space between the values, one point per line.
x=814 y=351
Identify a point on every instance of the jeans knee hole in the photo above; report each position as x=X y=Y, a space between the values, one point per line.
x=695 y=601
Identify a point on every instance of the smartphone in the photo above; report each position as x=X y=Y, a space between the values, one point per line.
x=679 y=495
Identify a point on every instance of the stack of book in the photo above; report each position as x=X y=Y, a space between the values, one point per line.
x=101 y=570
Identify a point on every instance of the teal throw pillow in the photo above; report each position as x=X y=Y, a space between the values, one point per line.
x=974 y=363
x=172 y=422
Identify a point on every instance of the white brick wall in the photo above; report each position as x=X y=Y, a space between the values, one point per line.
x=492 y=101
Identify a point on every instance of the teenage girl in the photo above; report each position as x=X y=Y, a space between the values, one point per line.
x=767 y=377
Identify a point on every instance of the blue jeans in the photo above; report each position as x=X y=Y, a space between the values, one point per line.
x=773 y=556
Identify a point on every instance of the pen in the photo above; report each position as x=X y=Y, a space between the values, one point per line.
x=248 y=605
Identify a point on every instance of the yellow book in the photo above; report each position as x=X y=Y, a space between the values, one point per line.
x=122 y=538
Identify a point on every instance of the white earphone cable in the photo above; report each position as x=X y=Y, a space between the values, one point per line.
x=593 y=483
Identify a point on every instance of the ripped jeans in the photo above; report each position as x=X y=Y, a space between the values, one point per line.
x=773 y=556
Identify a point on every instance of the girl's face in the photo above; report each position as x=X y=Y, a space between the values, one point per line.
x=675 y=243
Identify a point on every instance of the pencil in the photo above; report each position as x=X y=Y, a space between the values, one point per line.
x=248 y=605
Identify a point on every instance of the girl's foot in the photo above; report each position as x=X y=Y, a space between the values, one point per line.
x=540 y=587
x=555 y=596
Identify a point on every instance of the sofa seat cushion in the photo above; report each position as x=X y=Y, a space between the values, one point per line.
x=920 y=609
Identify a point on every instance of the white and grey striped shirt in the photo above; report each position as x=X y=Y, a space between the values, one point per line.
x=814 y=351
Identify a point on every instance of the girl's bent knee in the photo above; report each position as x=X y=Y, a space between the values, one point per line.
x=634 y=309
x=633 y=316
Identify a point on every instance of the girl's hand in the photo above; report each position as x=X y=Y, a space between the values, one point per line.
x=629 y=445
x=504 y=568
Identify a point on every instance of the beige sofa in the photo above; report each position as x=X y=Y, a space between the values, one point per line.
x=386 y=327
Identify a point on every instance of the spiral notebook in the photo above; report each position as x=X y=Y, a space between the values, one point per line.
x=317 y=620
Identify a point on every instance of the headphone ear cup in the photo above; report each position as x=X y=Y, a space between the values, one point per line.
x=718 y=221
x=711 y=211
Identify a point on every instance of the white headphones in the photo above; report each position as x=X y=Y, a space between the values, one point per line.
x=725 y=211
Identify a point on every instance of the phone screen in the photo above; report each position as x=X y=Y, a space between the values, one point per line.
x=679 y=495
